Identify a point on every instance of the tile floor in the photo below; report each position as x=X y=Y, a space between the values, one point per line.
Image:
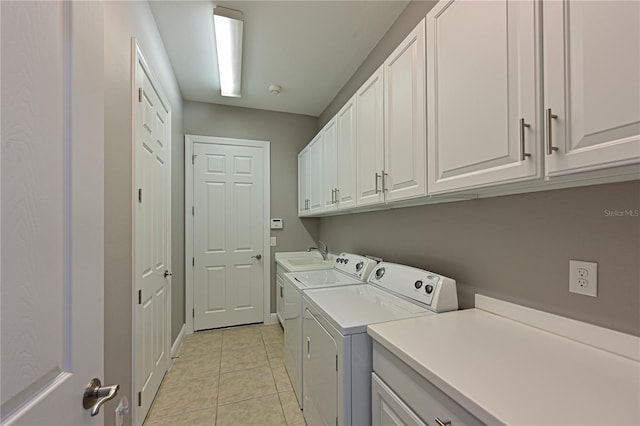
x=234 y=376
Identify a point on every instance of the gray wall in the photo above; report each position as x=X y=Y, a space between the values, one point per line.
x=516 y=248
x=288 y=134
x=124 y=20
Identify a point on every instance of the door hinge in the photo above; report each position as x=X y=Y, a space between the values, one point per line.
x=193 y=159
x=139 y=399
x=140 y=94
x=193 y=211
x=193 y=313
x=139 y=195
x=193 y=261
x=336 y=420
x=139 y=297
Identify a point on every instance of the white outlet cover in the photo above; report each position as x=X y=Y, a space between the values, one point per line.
x=582 y=283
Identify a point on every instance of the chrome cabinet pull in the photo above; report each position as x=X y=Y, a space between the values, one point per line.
x=337 y=196
x=308 y=346
x=95 y=395
x=281 y=288
x=377 y=177
x=443 y=422
x=385 y=176
x=523 y=154
x=550 y=147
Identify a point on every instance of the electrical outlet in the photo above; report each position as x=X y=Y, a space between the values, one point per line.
x=583 y=278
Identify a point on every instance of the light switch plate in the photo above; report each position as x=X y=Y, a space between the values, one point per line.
x=583 y=278
x=273 y=241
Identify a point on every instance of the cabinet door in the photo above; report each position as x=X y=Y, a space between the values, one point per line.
x=315 y=175
x=592 y=84
x=330 y=166
x=405 y=153
x=280 y=297
x=303 y=182
x=481 y=82
x=387 y=408
x=346 y=121
x=370 y=140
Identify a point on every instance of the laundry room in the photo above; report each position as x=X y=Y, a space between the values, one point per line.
x=385 y=212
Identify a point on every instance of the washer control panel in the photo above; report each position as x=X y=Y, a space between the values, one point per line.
x=436 y=291
x=355 y=265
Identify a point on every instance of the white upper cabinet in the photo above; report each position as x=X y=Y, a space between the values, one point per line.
x=405 y=157
x=330 y=165
x=483 y=128
x=370 y=140
x=346 y=122
x=303 y=182
x=316 y=203
x=591 y=84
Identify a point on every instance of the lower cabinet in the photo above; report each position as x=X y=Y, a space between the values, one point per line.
x=280 y=294
x=401 y=396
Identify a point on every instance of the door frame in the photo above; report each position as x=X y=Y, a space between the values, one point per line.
x=189 y=141
x=138 y=57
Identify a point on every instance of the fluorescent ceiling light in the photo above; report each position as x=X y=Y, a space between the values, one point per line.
x=227 y=24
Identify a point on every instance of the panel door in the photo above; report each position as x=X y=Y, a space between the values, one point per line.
x=387 y=409
x=330 y=165
x=481 y=81
x=52 y=198
x=152 y=239
x=405 y=140
x=370 y=140
x=591 y=84
x=316 y=182
x=228 y=235
x=320 y=376
x=347 y=150
x=303 y=182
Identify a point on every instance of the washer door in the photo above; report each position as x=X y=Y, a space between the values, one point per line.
x=320 y=378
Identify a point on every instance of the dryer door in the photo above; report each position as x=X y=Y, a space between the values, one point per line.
x=320 y=378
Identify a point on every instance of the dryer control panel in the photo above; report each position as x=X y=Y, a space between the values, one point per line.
x=355 y=265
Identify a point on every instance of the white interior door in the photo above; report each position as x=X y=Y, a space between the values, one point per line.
x=228 y=235
x=152 y=237
x=52 y=162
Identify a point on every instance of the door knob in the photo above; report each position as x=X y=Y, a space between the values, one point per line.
x=95 y=395
x=167 y=273
x=257 y=256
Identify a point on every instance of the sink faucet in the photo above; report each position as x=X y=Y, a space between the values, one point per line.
x=324 y=250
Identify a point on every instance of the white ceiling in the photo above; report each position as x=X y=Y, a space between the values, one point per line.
x=310 y=48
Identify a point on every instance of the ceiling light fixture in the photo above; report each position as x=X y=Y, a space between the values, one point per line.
x=227 y=24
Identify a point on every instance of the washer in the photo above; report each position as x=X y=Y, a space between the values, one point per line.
x=337 y=357
x=349 y=269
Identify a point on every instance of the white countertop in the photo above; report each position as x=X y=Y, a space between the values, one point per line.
x=503 y=371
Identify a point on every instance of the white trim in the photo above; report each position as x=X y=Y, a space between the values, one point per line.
x=175 y=348
x=602 y=338
x=138 y=57
x=273 y=319
x=189 y=141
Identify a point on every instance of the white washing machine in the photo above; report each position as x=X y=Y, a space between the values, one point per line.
x=337 y=353
x=349 y=269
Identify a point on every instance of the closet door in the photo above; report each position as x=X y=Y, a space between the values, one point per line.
x=482 y=120
x=592 y=84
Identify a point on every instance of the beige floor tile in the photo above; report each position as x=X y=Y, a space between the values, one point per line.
x=291 y=409
x=260 y=411
x=194 y=366
x=272 y=334
x=245 y=384
x=242 y=358
x=241 y=338
x=205 y=417
x=201 y=342
x=275 y=353
x=185 y=396
x=280 y=375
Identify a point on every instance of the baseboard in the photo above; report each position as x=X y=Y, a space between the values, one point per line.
x=272 y=319
x=175 y=348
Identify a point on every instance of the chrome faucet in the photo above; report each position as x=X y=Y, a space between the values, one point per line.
x=324 y=250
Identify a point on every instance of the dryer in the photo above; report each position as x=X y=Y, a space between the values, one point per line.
x=337 y=352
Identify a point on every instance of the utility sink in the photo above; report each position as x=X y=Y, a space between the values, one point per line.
x=320 y=278
x=304 y=261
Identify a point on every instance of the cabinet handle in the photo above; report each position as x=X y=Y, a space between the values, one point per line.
x=443 y=422
x=377 y=176
x=523 y=154
x=308 y=346
x=281 y=288
x=384 y=181
x=337 y=196
x=333 y=196
x=550 y=147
